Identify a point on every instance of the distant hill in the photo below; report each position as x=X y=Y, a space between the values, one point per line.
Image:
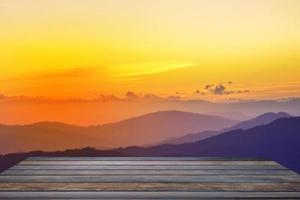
x=9 y=160
x=142 y=130
x=45 y=136
x=278 y=141
x=152 y=127
x=265 y=118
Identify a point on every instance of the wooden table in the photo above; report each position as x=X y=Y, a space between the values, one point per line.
x=148 y=178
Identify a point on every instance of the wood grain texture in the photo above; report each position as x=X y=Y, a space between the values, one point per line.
x=148 y=178
x=32 y=172
x=204 y=187
x=143 y=159
x=145 y=162
x=151 y=178
x=148 y=167
x=146 y=195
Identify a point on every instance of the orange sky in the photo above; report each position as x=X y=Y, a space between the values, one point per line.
x=87 y=49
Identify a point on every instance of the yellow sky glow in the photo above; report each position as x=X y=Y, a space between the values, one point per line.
x=81 y=48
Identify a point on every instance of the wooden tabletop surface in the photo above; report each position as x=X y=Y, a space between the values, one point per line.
x=148 y=178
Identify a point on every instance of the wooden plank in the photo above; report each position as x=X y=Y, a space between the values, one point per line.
x=145 y=167
x=143 y=159
x=151 y=178
x=204 y=187
x=217 y=198
x=148 y=178
x=146 y=195
x=148 y=172
x=30 y=162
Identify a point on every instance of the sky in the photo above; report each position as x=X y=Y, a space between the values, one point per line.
x=213 y=50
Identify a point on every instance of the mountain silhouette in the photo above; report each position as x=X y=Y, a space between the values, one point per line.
x=278 y=141
x=142 y=130
x=265 y=118
x=9 y=160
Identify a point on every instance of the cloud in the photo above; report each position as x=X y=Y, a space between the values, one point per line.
x=66 y=73
x=198 y=92
x=22 y=98
x=108 y=98
x=132 y=95
x=181 y=93
x=220 y=89
x=75 y=72
x=208 y=86
x=152 y=97
x=242 y=91
x=129 y=96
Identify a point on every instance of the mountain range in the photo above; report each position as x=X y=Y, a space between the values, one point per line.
x=141 y=131
x=278 y=141
x=265 y=118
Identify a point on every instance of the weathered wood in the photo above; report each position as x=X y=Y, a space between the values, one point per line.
x=151 y=178
x=148 y=172
x=148 y=178
x=204 y=187
x=114 y=162
x=142 y=159
x=145 y=195
x=149 y=167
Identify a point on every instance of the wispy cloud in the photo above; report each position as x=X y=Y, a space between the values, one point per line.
x=220 y=89
x=65 y=73
x=150 y=97
x=75 y=72
x=129 y=96
x=135 y=71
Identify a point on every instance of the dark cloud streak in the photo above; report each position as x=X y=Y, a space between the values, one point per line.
x=220 y=89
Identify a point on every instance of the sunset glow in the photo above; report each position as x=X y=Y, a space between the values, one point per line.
x=218 y=50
